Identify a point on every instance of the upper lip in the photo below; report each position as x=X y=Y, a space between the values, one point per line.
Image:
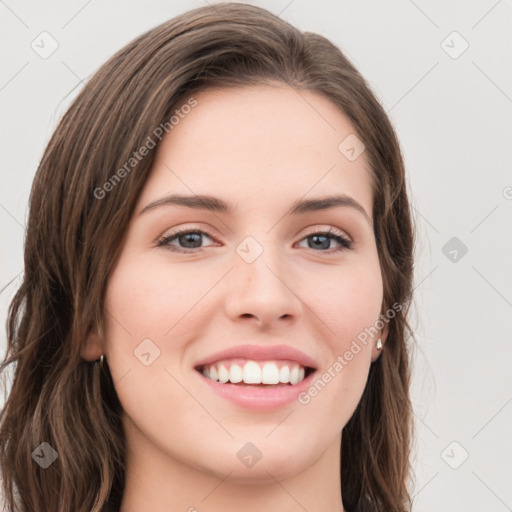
x=260 y=353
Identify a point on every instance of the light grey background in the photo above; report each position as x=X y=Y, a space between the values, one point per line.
x=452 y=114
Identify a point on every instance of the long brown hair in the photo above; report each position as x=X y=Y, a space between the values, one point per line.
x=74 y=236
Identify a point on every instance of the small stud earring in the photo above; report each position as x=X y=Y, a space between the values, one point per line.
x=379 y=344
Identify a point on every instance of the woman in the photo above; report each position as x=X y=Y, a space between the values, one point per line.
x=218 y=268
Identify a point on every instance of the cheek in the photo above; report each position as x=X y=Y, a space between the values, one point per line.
x=350 y=308
x=139 y=306
x=159 y=302
x=348 y=301
x=146 y=308
x=148 y=300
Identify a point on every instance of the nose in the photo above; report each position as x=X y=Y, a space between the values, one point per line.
x=262 y=291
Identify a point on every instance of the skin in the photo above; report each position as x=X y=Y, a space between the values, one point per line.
x=259 y=148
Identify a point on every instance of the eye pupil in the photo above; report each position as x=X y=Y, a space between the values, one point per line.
x=326 y=239
x=190 y=238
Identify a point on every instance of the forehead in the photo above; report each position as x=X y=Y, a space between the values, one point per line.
x=262 y=142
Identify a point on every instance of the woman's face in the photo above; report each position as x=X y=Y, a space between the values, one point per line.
x=253 y=274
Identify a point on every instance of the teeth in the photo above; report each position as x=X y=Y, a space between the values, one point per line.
x=223 y=374
x=236 y=374
x=294 y=375
x=270 y=374
x=253 y=372
x=284 y=374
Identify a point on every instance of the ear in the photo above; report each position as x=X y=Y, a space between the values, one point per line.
x=383 y=336
x=91 y=349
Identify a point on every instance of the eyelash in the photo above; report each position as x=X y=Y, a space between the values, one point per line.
x=331 y=233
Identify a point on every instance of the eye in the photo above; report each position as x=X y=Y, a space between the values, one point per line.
x=322 y=239
x=189 y=238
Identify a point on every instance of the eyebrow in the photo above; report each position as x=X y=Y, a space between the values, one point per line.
x=217 y=205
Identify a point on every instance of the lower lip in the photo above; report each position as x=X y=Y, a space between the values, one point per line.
x=257 y=398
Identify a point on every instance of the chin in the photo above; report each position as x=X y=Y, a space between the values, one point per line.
x=253 y=463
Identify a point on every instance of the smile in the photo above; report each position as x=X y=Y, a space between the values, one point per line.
x=259 y=373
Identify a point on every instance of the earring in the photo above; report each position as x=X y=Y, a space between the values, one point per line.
x=102 y=357
x=379 y=344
